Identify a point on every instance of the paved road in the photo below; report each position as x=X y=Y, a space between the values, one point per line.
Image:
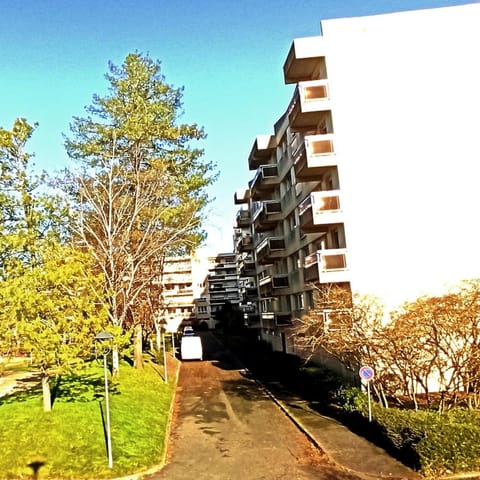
x=226 y=427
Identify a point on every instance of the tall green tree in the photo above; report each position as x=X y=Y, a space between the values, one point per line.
x=54 y=310
x=49 y=303
x=29 y=213
x=140 y=183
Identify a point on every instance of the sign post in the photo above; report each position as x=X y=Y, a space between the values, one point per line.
x=366 y=374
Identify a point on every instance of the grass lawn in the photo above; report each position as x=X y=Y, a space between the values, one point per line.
x=71 y=440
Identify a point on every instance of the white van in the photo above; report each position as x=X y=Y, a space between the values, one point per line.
x=191 y=348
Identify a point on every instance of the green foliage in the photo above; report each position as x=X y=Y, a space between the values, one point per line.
x=136 y=127
x=28 y=213
x=70 y=440
x=139 y=185
x=352 y=399
x=428 y=441
x=50 y=301
x=440 y=443
x=54 y=309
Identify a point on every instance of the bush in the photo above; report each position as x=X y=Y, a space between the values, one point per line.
x=427 y=441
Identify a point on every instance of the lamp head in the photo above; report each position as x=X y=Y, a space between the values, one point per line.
x=103 y=336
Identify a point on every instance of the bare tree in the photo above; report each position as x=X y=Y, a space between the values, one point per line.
x=139 y=188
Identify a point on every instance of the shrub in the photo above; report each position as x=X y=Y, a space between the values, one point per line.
x=427 y=441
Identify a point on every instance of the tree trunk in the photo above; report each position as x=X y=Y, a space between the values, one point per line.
x=158 y=336
x=115 y=362
x=47 y=396
x=138 y=346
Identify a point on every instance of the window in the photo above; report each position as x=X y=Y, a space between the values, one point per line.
x=299 y=304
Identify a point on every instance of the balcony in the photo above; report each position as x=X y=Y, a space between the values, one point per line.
x=305 y=59
x=272 y=285
x=243 y=218
x=246 y=267
x=310 y=104
x=319 y=211
x=249 y=308
x=262 y=151
x=265 y=180
x=283 y=319
x=270 y=249
x=245 y=243
x=327 y=266
x=241 y=196
x=313 y=157
x=268 y=216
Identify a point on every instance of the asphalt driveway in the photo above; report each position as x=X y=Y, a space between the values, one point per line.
x=226 y=427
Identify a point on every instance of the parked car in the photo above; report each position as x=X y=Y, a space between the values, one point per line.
x=191 y=348
x=188 y=331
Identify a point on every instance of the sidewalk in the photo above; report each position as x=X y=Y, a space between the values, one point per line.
x=346 y=449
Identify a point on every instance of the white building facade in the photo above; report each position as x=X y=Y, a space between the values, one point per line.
x=405 y=98
x=370 y=177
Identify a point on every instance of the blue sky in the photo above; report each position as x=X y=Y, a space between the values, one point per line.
x=227 y=54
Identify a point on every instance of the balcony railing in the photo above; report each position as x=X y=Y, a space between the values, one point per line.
x=245 y=243
x=327 y=266
x=305 y=59
x=268 y=216
x=270 y=249
x=241 y=196
x=314 y=156
x=262 y=150
x=246 y=267
x=310 y=103
x=265 y=180
x=319 y=211
x=243 y=218
x=283 y=319
x=271 y=285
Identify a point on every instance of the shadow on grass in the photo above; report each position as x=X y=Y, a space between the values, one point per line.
x=104 y=425
x=83 y=388
x=71 y=388
x=156 y=364
x=25 y=389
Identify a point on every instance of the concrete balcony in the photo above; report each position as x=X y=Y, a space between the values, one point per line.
x=327 y=266
x=314 y=157
x=319 y=211
x=249 y=308
x=243 y=218
x=309 y=106
x=246 y=267
x=241 y=196
x=262 y=151
x=279 y=319
x=270 y=250
x=251 y=294
x=265 y=180
x=245 y=243
x=305 y=60
x=283 y=319
x=268 y=216
x=272 y=285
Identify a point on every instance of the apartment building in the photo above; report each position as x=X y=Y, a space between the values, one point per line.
x=182 y=283
x=369 y=179
x=222 y=281
x=219 y=287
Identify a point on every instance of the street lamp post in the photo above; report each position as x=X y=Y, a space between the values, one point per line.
x=105 y=340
